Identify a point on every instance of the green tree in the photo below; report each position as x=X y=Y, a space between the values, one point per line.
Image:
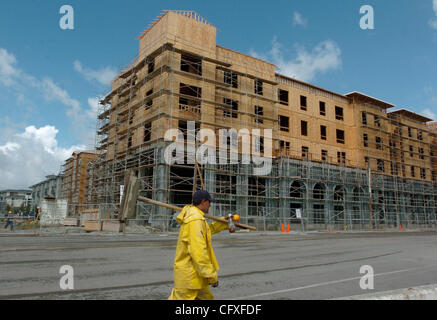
x=22 y=208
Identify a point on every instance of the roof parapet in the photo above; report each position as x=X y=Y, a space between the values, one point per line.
x=186 y=13
x=411 y=115
x=367 y=98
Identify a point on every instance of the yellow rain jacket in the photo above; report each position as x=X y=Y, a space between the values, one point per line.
x=195 y=265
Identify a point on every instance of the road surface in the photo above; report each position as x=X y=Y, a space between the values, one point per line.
x=253 y=265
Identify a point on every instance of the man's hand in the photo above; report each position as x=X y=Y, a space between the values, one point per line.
x=214 y=282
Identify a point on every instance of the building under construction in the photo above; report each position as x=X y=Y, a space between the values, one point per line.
x=338 y=160
x=75 y=180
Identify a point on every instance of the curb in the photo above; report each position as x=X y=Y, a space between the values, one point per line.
x=428 y=292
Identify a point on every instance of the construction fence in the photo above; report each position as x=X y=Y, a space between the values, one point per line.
x=104 y=218
x=148 y=222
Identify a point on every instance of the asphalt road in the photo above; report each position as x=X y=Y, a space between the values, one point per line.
x=253 y=265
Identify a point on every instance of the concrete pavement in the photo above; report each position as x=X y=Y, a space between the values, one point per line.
x=253 y=265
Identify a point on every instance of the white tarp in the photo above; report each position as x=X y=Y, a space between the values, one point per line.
x=53 y=212
x=298 y=213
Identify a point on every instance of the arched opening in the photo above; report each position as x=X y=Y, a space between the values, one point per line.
x=429 y=213
x=297 y=193
x=357 y=198
x=339 y=193
x=358 y=195
x=297 y=190
x=339 y=207
x=319 y=191
x=379 y=208
x=390 y=208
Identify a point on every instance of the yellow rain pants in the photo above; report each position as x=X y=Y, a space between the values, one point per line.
x=195 y=264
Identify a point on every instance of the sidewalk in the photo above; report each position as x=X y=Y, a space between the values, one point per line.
x=78 y=231
x=418 y=293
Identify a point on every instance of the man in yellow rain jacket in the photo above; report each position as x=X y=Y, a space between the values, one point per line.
x=195 y=265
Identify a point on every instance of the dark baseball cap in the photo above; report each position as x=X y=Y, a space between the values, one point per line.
x=202 y=195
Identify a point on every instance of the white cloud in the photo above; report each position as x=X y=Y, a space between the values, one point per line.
x=20 y=82
x=8 y=70
x=9 y=147
x=433 y=22
x=305 y=65
x=429 y=113
x=430 y=110
x=46 y=136
x=94 y=106
x=52 y=92
x=12 y=77
x=103 y=76
x=17 y=80
x=298 y=20
x=28 y=157
x=84 y=119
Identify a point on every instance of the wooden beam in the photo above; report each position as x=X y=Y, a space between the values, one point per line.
x=169 y=206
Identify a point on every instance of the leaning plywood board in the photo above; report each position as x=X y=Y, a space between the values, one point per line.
x=91 y=226
x=129 y=200
x=71 y=222
x=111 y=226
x=89 y=216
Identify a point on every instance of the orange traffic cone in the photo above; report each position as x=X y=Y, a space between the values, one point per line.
x=400 y=227
x=288 y=228
x=283 y=230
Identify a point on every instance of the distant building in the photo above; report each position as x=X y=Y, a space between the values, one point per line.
x=76 y=178
x=433 y=153
x=52 y=187
x=15 y=199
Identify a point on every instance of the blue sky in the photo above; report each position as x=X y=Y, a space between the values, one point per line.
x=50 y=78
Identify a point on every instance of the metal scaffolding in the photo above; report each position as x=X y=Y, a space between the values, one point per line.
x=172 y=86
